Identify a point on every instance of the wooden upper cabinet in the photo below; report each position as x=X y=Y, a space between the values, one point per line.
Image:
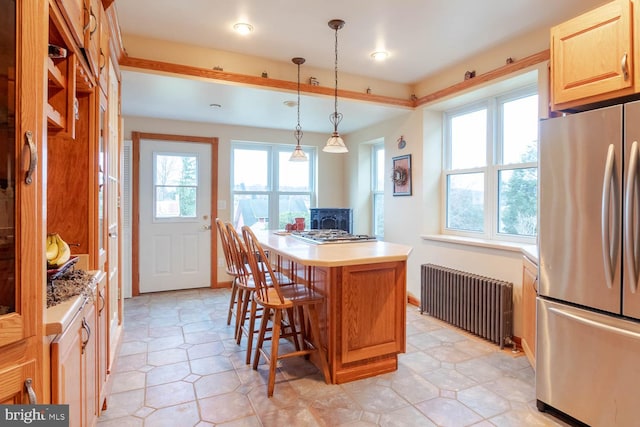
x=92 y=36
x=593 y=57
x=83 y=18
x=76 y=15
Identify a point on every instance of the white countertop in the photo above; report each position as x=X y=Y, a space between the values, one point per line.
x=531 y=252
x=332 y=254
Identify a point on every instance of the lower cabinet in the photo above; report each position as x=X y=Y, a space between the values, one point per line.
x=73 y=367
x=102 y=341
x=529 y=293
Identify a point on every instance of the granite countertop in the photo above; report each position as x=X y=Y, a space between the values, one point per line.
x=59 y=316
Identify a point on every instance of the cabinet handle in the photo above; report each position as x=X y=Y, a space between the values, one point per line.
x=30 y=392
x=101 y=296
x=86 y=327
x=624 y=65
x=33 y=156
x=92 y=25
x=103 y=60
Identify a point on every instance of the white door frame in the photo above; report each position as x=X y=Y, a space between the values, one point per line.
x=136 y=137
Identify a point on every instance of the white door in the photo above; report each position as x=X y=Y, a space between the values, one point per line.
x=175 y=215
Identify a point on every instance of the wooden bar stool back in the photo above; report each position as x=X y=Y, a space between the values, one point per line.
x=277 y=302
x=229 y=265
x=244 y=296
x=247 y=311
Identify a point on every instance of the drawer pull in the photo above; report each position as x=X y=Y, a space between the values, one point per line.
x=86 y=327
x=33 y=156
x=28 y=385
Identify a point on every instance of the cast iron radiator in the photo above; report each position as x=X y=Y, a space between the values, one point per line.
x=478 y=304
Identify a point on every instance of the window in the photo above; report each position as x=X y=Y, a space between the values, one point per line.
x=377 y=189
x=268 y=190
x=175 y=182
x=490 y=170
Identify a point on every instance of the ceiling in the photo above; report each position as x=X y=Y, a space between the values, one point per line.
x=422 y=37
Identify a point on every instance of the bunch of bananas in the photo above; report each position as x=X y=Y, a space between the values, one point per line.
x=58 y=251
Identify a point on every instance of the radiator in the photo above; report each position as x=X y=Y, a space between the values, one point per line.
x=477 y=304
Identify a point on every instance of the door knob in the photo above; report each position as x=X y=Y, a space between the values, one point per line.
x=206 y=227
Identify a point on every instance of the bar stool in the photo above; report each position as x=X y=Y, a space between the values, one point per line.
x=229 y=266
x=245 y=288
x=278 y=302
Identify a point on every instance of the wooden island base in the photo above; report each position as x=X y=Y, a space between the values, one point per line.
x=363 y=321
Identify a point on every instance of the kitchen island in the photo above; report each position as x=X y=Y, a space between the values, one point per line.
x=363 y=320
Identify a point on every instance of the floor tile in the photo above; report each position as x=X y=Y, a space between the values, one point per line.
x=179 y=365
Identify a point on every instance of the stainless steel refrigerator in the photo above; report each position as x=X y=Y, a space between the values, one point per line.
x=588 y=307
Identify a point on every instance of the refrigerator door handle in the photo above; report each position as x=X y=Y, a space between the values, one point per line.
x=607 y=248
x=629 y=230
x=594 y=323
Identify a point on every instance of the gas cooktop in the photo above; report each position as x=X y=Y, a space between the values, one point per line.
x=331 y=236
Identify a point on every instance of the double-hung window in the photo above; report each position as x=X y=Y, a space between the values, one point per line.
x=377 y=188
x=490 y=168
x=268 y=190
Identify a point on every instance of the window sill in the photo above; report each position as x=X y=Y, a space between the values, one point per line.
x=527 y=249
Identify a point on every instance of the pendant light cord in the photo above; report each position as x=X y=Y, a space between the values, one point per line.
x=336 y=117
x=298 y=132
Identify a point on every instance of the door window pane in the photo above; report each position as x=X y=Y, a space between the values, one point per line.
x=469 y=140
x=520 y=130
x=518 y=195
x=176 y=184
x=465 y=201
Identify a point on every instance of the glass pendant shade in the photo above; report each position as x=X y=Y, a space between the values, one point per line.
x=298 y=155
x=335 y=144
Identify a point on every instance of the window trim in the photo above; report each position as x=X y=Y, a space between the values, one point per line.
x=492 y=168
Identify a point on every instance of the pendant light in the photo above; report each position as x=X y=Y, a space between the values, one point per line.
x=298 y=155
x=335 y=144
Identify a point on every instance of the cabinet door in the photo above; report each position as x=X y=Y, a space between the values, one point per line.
x=92 y=35
x=73 y=368
x=22 y=260
x=102 y=342
x=66 y=370
x=76 y=15
x=89 y=368
x=592 y=55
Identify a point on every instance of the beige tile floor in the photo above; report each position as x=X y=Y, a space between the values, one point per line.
x=179 y=365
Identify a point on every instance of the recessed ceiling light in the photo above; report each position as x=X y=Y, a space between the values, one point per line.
x=215 y=105
x=290 y=103
x=243 y=28
x=380 y=55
